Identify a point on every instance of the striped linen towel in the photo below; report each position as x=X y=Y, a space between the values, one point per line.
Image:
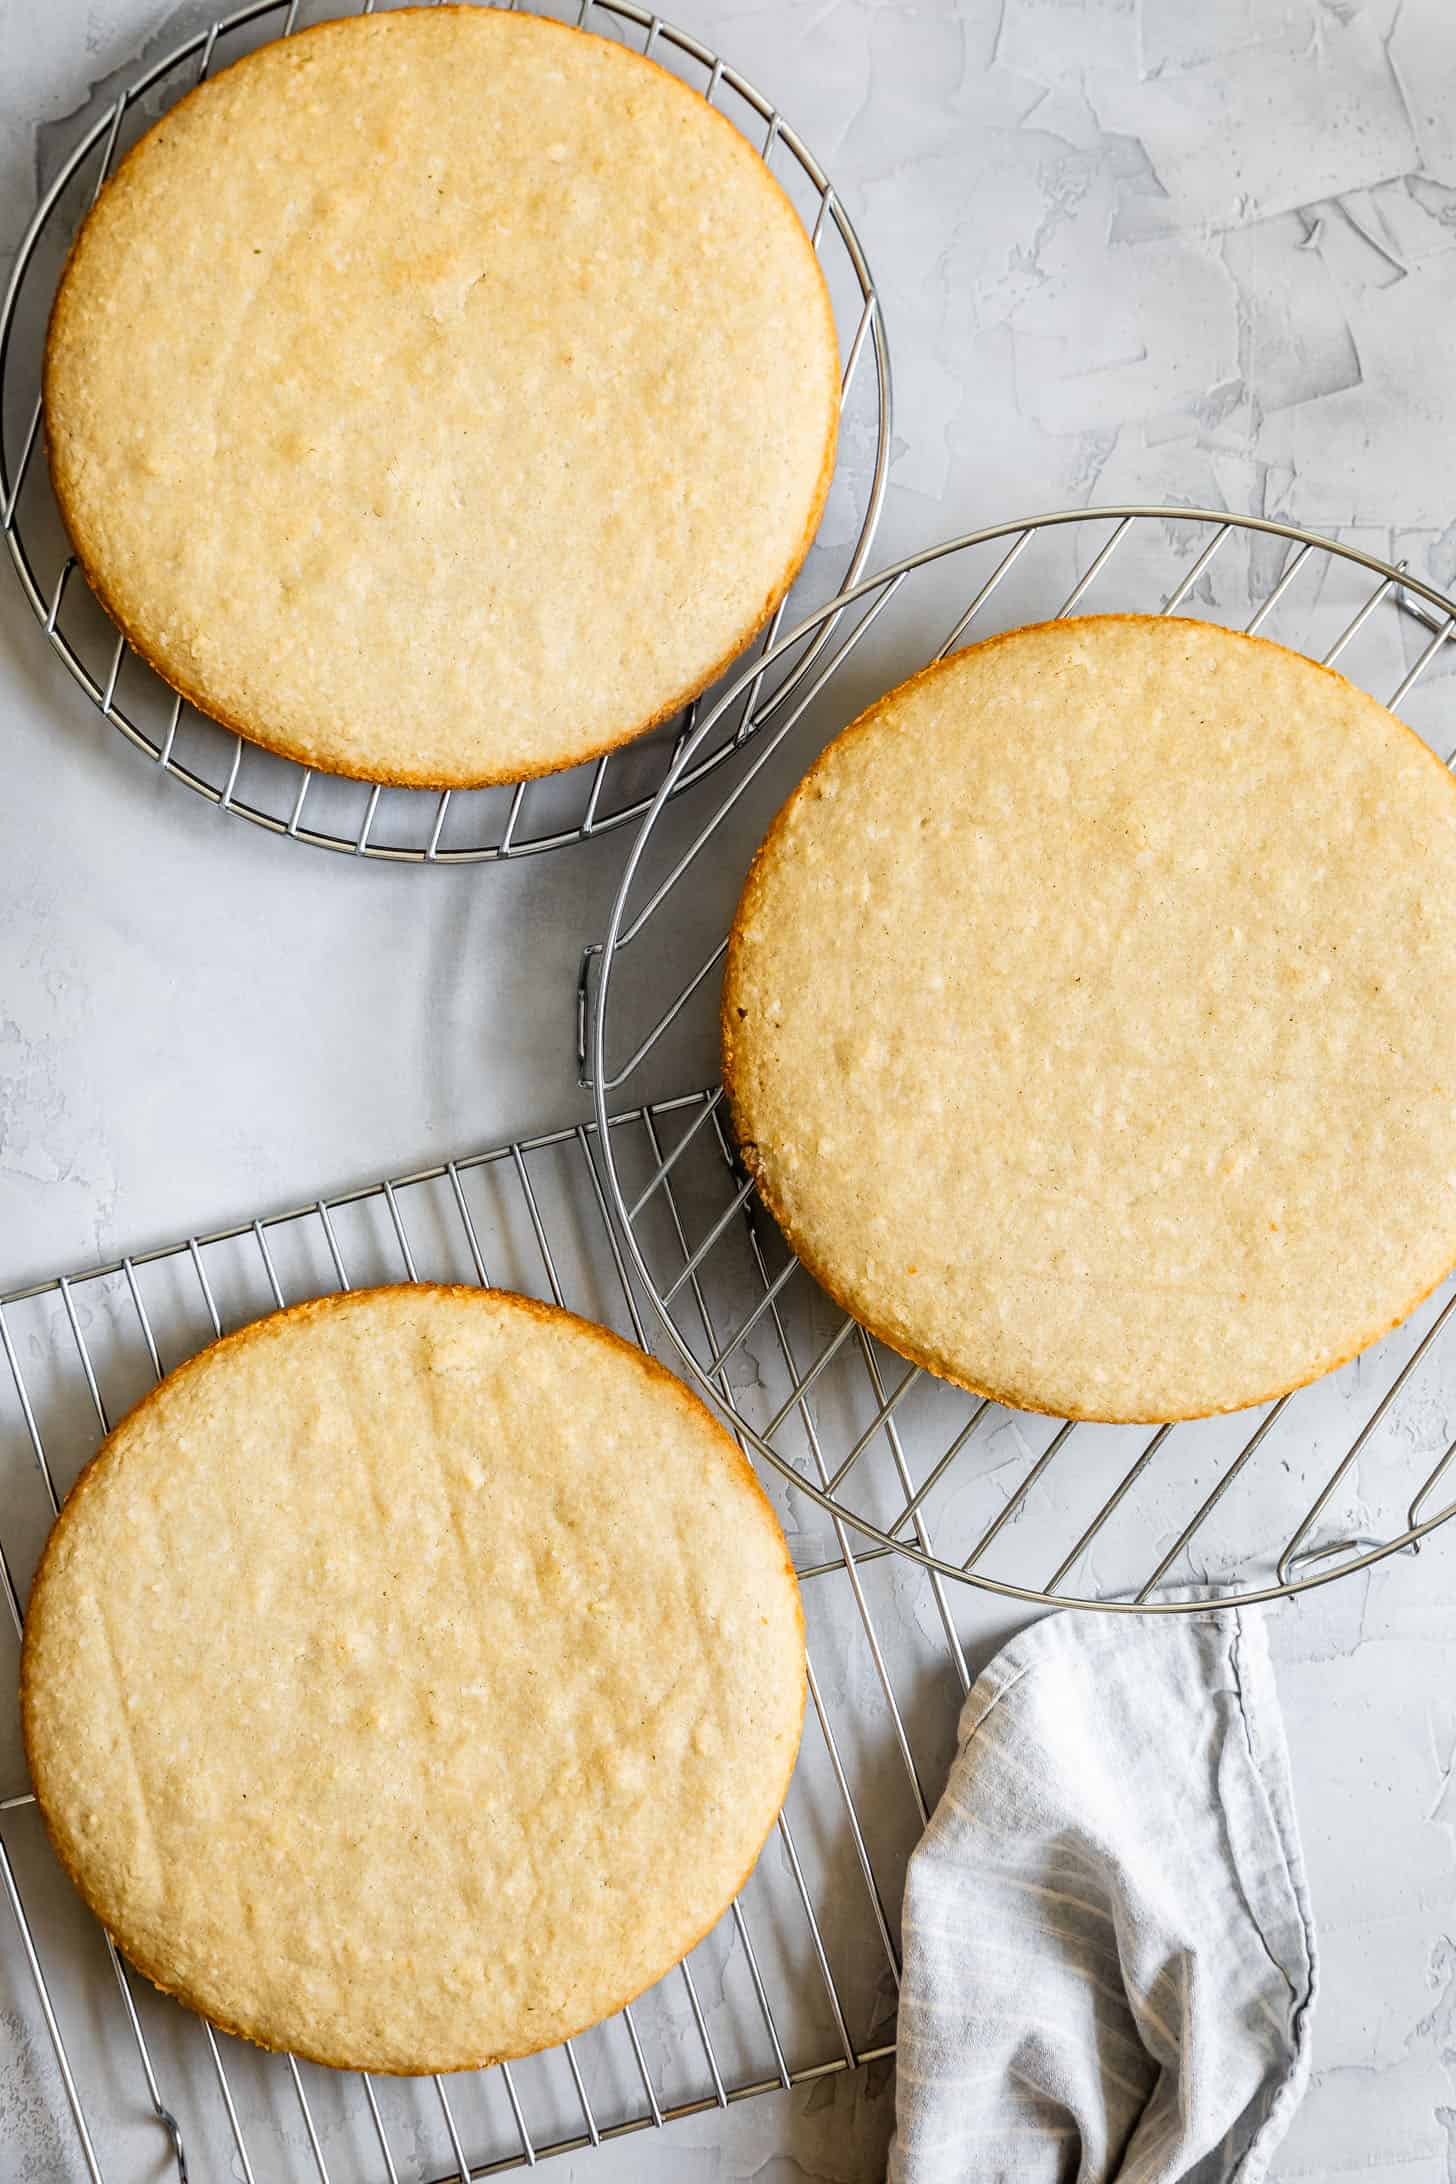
x=1109 y=1952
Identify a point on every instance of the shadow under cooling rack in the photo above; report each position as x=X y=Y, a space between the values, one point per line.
x=798 y=1981
x=414 y=826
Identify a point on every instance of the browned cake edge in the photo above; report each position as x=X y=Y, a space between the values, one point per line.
x=694 y=1411
x=738 y=1093
x=259 y=733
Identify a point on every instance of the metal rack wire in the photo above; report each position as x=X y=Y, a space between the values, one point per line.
x=413 y=826
x=777 y=1996
x=1324 y=1482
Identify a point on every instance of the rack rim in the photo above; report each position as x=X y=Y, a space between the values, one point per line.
x=102 y=691
x=1440 y=610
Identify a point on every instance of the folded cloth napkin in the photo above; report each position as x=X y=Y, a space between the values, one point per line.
x=1109 y=1954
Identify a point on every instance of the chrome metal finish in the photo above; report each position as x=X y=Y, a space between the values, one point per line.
x=1130 y=1519
x=410 y=826
x=794 y=1984
x=43 y=1995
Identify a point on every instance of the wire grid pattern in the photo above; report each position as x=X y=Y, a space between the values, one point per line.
x=1263 y=1504
x=777 y=1996
x=412 y=826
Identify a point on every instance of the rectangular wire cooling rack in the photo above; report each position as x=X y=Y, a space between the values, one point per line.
x=780 y=1994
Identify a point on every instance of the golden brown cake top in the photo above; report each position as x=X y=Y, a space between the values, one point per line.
x=1089 y=1018
x=442 y=396
x=413 y=1678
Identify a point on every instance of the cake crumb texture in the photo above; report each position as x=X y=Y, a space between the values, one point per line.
x=1089 y=1019
x=442 y=396
x=413 y=1678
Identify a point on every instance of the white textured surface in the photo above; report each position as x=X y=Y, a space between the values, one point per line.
x=1184 y=248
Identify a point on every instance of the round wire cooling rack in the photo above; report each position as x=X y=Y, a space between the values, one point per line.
x=1258 y=1505
x=419 y=826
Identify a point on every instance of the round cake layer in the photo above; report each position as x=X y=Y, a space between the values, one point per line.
x=442 y=396
x=413 y=1678
x=1089 y=1019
